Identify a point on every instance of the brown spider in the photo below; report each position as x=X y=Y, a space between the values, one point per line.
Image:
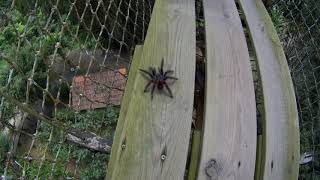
x=158 y=79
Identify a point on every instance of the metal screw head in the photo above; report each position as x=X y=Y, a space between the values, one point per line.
x=163 y=157
x=123 y=146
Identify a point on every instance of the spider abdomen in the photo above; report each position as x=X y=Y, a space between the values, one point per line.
x=160 y=84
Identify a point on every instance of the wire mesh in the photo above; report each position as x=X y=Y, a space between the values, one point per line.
x=298 y=25
x=63 y=69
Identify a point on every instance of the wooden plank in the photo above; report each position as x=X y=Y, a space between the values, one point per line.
x=195 y=155
x=116 y=146
x=160 y=127
x=281 y=131
x=259 y=158
x=230 y=130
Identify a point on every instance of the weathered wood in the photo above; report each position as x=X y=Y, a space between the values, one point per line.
x=281 y=131
x=195 y=155
x=230 y=130
x=128 y=94
x=155 y=137
x=259 y=158
x=89 y=140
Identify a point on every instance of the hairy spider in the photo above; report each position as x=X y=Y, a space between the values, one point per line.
x=158 y=79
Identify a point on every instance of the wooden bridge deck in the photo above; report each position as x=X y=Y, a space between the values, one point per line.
x=281 y=131
x=152 y=136
x=153 y=140
x=229 y=140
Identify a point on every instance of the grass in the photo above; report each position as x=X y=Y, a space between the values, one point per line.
x=2 y=64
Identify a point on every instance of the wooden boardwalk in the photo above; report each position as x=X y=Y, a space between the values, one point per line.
x=153 y=136
x=229 y=140
x=281 y=130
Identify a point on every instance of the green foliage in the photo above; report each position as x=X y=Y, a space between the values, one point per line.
x=94 y=120
x=21 y=37
x=4 y=148
x=8 y=111
x=44 y=133
x=91 y=165
x=2 y=64
x=24 y=58
x=5 y=3
x=45 y=171
x=26 y=6
x=35 y=38
x=279 y=21
x=97 y=168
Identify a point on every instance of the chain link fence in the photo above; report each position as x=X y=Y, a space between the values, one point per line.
x=63 y=69
x=298 y=25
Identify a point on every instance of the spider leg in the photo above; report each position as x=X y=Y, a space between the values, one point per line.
x=153 y=70
x=152 y=91
x=170 y=77
x=162 y=61
x=169 y=90
x=161 y=67
x=146 y=72
x=147 y=86
x=168 y=72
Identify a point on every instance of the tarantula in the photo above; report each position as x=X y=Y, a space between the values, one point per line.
x=158 y=79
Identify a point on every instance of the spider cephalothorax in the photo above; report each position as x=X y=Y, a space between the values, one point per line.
x=158 y=79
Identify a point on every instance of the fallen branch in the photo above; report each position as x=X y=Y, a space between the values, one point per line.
x=89 y=140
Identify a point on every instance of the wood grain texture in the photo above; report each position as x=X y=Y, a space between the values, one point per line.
x=281 y=131
x=160 y=126
x=230 y=130
x=134 y=69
